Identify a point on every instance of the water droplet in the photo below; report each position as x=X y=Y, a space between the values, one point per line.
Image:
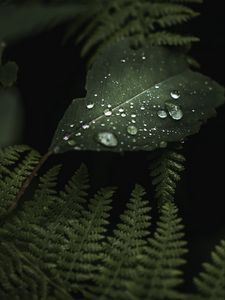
x=85 y=126
x=78 y=134
x=162 y=114
x=71 y=142
x=144 y=57
x=109 y=105
x=121 y=110
x=107 y=112
x=107 y=139
x=66 y=137
x=72 y=125
x=132 y=130
x=174 y=111
x=123 y=60
x=96 y=95
x=123 y=115
x=175 y=94
x=163 y=144
x=90 y=105
x=133 y=116
x=157 y=86
x=142 y=108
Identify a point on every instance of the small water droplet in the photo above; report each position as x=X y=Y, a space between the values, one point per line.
x=123 y=60
x=78 y=134
x=162 y=114
x=123 y=115
x=96 y=95
x=66 y=137
x=107 y=112
x=107 y=139
x=174 y=111
x=109 y=105
x=121 y=110
x=132 y=130
x=157 y=86
x=144 y=57
x=142 y=108
x=90 y=105
x=175 y=94
x=133 y=116
x=72 y=125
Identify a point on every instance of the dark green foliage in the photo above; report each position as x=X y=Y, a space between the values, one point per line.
x=126 y=94
x=13 y=173
x=124 y=249
x=160 y=272
x=211 y=281
x=141 y=20
x=165 y=170
x=56 y=245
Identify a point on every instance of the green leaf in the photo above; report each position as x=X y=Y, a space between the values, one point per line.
x=17 y=21
x=137 y=100
x=8 y=74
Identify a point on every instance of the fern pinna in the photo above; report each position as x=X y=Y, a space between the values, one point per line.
x=57 y=245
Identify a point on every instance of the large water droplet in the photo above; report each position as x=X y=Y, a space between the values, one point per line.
x=107 y=139
x=90 y=105
x=107 y=112
x=162 y=114
x=175 y=94
x=132 y=130
x=174 y=111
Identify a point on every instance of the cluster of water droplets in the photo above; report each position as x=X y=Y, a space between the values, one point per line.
x=171 y=109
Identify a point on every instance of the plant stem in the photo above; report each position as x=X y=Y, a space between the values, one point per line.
x=28 y=181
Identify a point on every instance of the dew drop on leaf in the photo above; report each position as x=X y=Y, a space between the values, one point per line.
x=175 y=94
x=174 y=111
x=132 y=130
x=162 y=114
x=66 y=137
x=107 y=139
x=85 y=126
x=90 y=105
x=107 y=112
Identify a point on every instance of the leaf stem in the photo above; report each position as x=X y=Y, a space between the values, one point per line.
x=28 y=181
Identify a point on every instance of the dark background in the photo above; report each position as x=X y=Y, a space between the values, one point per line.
x=52 y=74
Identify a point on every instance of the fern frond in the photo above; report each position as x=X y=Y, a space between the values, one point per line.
x=211 y=281
x=165 y=170
x=160 y=274
x=142 y=21
x=164 y=38
x=83 y=245
x=12 y=181
x=22 y=278
x=124 y=248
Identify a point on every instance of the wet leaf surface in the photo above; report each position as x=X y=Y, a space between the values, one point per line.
x=137 y=100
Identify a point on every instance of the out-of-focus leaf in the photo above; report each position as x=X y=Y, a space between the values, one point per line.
x=138 y=100
x=11 y=117
x=8 y=74
x=19 y=21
